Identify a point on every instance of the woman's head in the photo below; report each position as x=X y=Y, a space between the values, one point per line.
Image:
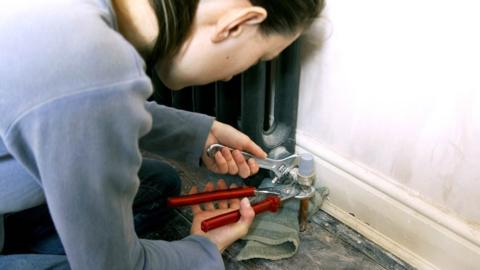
x=201 y=41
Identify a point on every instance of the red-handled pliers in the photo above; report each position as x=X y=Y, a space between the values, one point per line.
x=271 y=203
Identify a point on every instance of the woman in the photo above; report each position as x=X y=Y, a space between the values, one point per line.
x=74 y=116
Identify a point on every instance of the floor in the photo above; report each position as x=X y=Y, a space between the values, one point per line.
x=326 y=244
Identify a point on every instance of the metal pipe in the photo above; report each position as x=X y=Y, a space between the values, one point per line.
x=306 y=179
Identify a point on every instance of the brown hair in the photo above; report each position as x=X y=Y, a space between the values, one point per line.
x=175 y=18
x=288 y=16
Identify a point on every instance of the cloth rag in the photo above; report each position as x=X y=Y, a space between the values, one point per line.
x=275 y=236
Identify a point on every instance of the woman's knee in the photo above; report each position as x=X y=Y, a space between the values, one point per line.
x=159 y=174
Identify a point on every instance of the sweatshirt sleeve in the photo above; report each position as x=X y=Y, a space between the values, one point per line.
x=84 y=150
x=176 y=134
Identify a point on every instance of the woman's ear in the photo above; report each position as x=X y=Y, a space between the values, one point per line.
x=232 y=23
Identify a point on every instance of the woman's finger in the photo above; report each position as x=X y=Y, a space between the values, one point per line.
x=234 y=203
x=243 y=168
x=223 y=204
x=232 y=166
x=196 y=207
x=253 y=166
x=221 y=163
x=247 y=214
x=209 y=205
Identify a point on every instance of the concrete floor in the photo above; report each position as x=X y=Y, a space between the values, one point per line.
x=326 y=244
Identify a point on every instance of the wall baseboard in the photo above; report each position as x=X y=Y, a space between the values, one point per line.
x=391 y=216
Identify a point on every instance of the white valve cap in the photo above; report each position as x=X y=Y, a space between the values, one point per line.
x=306 y=166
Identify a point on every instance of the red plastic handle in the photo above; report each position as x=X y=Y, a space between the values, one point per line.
x=211 y=196
x=271 y=203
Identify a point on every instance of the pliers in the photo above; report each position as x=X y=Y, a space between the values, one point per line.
x=275 y=196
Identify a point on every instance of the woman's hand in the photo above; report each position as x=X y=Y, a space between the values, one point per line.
x=223 y=236
x=232 y=162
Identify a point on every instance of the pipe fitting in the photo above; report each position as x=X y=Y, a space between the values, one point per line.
x=306 y=170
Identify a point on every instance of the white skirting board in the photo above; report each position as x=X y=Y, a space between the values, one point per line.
x=389 y=215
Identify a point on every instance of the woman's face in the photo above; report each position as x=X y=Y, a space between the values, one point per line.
x=221 y=47
x=202 y=62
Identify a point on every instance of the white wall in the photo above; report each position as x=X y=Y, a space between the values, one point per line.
x=395 y=87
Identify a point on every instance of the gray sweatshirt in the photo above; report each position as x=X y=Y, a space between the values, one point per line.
x=73 y=118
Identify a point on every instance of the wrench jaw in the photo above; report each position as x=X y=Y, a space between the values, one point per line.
x=285 y=173
x=288 y=177
x=285 y=192
x=292 y=190
x=284 y=166
x=293 y=177
x=305 y=192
